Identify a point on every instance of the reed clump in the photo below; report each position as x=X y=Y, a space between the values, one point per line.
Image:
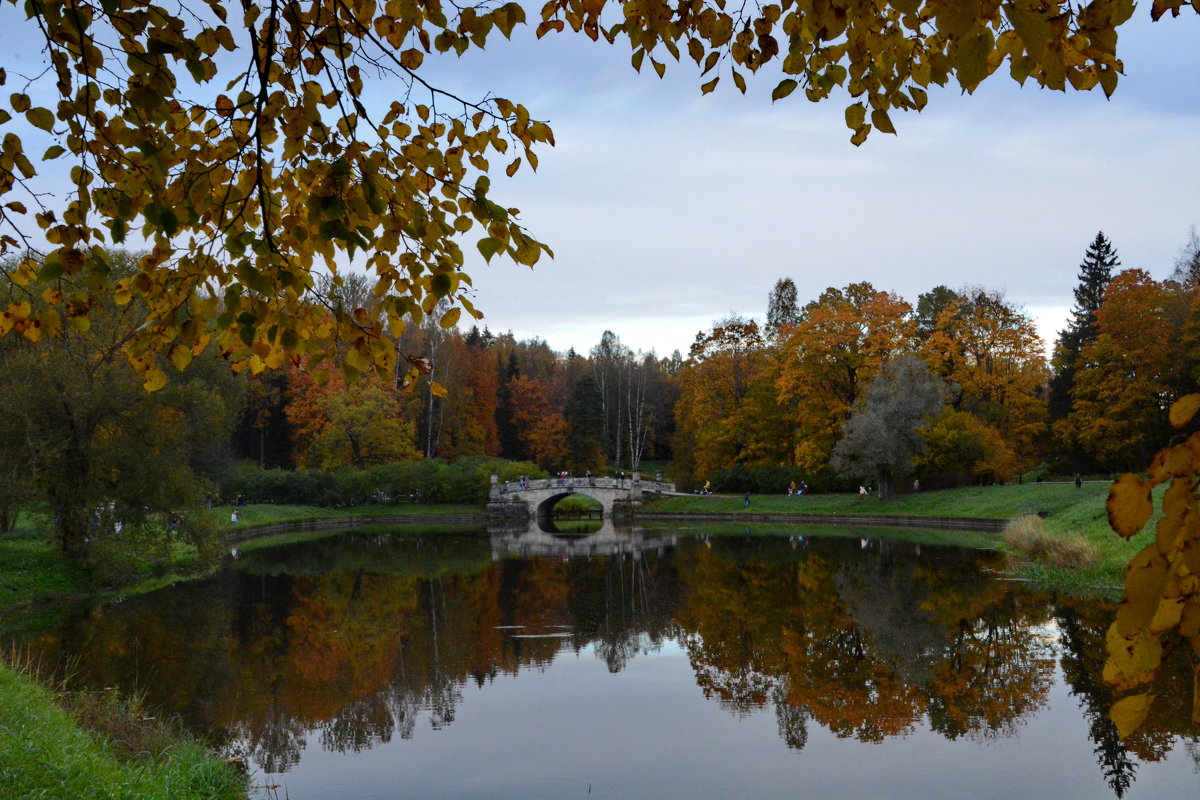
x=1028 y=536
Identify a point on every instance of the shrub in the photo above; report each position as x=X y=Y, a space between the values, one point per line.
x=424 y=481
x=758 y=479
x=1027 y=535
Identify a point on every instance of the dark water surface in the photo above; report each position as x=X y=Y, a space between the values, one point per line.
x=658 y=664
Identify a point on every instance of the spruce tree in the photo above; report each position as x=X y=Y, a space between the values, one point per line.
x=1094 y=275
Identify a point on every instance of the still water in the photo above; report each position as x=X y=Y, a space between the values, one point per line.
x=666 y=663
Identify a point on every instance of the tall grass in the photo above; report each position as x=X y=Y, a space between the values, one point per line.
x=1027 y=535
x=99 y=746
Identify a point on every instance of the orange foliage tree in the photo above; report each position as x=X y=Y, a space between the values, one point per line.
x=991 y=352
x=840 y=342
x=726 y=412
x=337 y=425
x=1123 y=381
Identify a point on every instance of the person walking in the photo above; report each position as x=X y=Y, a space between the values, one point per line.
x=746 y=504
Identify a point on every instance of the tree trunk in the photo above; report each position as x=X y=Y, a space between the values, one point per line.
x=886 y=491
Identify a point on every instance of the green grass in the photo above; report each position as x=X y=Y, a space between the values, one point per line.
x=46 y=753
x=254 y=515
x=1068 y=511
x=969 y=539
x=33 y=572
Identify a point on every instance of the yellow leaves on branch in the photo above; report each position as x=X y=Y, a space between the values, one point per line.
x=1161 y=607
x=245 y=181
x=246 y=175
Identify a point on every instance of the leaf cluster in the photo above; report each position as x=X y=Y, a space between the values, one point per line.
x=1161 y=607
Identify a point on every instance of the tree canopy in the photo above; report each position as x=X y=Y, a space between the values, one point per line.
x=239 y=143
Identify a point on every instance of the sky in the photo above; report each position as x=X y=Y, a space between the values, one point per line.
x=667 y=210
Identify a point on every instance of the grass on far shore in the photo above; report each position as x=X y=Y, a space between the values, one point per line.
x=102 y=748
x=1067 y=510
x=33 y=571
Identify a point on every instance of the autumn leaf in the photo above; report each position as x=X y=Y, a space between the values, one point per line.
x=1183 y=409
x=1128 y=713
x=1129 y=504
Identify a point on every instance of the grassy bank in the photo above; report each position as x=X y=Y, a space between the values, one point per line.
x=1068 y=512
x=33 y=573
x=47 y=753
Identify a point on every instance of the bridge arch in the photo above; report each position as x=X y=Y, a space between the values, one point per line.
x=545 y=507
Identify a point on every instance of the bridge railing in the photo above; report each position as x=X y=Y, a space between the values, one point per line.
x=508 y=487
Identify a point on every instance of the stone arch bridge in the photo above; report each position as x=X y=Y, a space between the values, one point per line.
x=535 y=499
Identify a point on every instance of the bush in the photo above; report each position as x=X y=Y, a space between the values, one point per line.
x=1028 y=536
x=761 y=479
x=425 y=481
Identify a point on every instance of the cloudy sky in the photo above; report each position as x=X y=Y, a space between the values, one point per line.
x=667 y=209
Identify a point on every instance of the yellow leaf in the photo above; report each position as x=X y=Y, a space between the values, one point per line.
x=1183 y=409
x=450 y=318
x=40 y=118
x=1128 y=713
x=1129 y=504
x=181 y=356
x=121 y=293
x=1144 y=581
x=356 y=360
x=882 y=121
x=411 y=58
x=437 y=389
x=1131 y=660
x=154 y=379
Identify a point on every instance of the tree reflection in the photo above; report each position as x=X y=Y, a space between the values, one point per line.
x=352 y=643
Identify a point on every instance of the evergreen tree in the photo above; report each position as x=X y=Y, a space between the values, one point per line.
x=930 y=306
x=1094 y=275
x=510 y=444
x=781 y=306
x=585 y=414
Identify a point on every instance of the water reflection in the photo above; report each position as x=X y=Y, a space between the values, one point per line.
x=551 y=539
x=346 y=644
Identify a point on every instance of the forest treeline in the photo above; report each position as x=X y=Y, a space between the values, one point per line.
x=857 y=385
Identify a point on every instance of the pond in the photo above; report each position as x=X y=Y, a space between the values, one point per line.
x=657 y=663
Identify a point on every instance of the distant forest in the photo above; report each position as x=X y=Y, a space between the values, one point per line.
x=783 y=392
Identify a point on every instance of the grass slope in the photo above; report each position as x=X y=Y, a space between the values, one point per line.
x=46 y=754
x=1067 y=510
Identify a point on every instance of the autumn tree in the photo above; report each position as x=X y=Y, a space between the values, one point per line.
x=834 y=350
x=540 y=431
x=1095 y=272
x=1123 y=385
x=337 y=425
x=989 y=351
x=882 y=435
x=727 y=412
x=246 y=174
x=87 y=438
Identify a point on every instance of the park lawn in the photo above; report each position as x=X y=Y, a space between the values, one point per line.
x=46 y=753
x=32 y=571
x=1067 y=510
x=251 y=516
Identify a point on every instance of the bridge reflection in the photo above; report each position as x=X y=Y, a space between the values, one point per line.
x=543 y=539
